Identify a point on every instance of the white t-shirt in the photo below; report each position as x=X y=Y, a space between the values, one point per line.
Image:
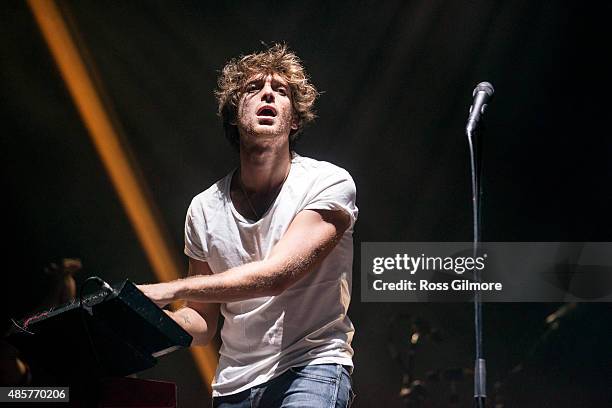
x=307 y=323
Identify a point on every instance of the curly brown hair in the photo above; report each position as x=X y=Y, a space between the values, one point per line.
x=275 y=59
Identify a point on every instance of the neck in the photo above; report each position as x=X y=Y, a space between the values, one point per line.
x=262 y=170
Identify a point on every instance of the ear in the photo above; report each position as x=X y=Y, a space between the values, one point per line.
x=295 y=123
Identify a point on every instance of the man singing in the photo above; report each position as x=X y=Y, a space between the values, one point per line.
x=270 y=247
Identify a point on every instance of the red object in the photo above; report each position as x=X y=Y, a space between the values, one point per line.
x=127 y=393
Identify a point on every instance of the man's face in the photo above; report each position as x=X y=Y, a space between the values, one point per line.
x=265 y=111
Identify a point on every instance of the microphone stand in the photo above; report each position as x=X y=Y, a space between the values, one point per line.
x=480 y=371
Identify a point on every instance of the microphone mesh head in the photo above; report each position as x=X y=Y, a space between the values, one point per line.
x=484 y=86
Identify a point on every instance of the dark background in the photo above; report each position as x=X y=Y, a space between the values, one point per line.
x=397 y=78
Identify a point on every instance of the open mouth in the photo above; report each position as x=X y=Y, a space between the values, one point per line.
x=266 y=111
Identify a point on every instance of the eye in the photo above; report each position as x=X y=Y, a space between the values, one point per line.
x=282 y=90
x=252 y=87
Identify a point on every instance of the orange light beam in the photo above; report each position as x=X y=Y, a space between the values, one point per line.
x=105 y=138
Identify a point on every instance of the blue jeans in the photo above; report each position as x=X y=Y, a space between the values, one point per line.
x=313 y=386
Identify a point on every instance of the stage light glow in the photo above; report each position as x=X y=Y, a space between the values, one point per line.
x=105 y=135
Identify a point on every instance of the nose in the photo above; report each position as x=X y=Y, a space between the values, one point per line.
x=267 y=93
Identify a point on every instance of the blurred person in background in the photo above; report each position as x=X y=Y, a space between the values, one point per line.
x=48 y=287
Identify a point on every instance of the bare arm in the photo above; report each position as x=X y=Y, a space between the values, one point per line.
x=307 y=241
x=198 y=319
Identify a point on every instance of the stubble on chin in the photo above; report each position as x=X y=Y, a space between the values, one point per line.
x=255 y=131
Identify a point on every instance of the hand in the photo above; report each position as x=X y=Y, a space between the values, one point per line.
x=160 y=293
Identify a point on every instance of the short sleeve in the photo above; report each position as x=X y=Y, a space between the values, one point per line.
x=195 y=232
x=334 y=190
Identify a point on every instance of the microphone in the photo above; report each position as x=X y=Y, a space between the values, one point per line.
x=482 y=93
